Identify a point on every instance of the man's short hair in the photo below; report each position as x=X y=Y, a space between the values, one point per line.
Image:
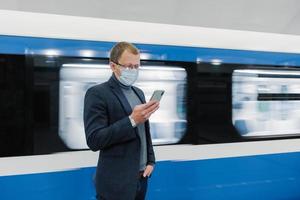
x=117 y=51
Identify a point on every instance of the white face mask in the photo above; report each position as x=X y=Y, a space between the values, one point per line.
x=128 y=76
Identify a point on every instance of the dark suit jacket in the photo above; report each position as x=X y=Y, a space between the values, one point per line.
x=109 y=130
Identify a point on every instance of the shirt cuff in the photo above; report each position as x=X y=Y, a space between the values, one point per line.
x=132 y=121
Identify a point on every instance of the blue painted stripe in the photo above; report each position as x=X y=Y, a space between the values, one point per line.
x=32 y=45
x=272 y=177
x=269 y=177
x=74 y=184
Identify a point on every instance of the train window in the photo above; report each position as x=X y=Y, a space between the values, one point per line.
x=171 y=116
x=75 y=79
x=266 y=102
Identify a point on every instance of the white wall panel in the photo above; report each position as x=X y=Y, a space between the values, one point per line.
x=276 y=16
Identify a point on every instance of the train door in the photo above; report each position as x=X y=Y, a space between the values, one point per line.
x=15 y=106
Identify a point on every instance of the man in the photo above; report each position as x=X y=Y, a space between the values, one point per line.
x=116 y=123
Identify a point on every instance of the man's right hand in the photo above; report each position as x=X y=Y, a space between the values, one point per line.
x=142 y=112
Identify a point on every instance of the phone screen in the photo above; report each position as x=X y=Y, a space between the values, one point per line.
x=157 y=94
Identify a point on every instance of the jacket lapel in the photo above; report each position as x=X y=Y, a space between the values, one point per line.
x=139 y=94
x=119 y=94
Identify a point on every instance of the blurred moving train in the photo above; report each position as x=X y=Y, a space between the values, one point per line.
x=228 y=126
x=75 y=79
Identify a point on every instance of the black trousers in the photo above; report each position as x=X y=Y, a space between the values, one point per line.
x=140 y=191
x=142 y=188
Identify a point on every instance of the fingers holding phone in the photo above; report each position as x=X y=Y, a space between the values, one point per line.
x=156 y=97
x=151 y=107
x=142 y=112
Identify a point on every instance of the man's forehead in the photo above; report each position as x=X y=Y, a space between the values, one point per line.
x=128 y=56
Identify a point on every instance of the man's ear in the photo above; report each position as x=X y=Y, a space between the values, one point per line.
x=114 y=69
x=112 y=66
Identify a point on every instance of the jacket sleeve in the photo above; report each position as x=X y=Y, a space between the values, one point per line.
x=151 y=155
x=99 y=133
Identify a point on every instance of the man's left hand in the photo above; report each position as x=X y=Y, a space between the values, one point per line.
x=148 y=170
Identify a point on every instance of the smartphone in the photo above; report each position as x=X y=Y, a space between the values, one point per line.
x=157 y=94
